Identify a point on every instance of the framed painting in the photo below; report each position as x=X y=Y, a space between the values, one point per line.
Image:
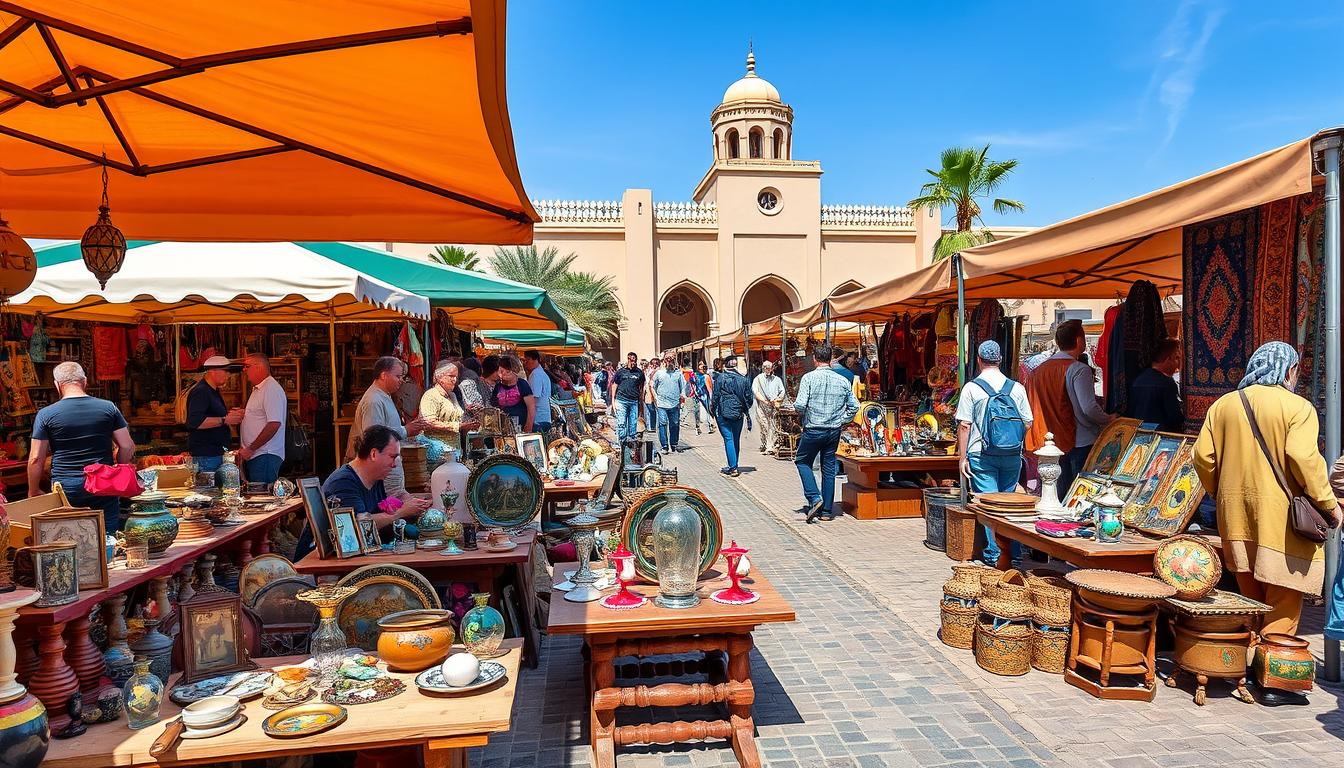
x=532 y=447
x=346 y=539
x=212 y=636
x=1134 y=459
x=1160 y=463
x=1175 y=503
x=373 y=541
x=85 y=528
x=575 y=423
x=1085 y=488
x=319 y=522
x=1112 y=441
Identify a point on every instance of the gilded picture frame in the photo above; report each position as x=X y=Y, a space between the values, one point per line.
x=212 y=637
x=347 y=540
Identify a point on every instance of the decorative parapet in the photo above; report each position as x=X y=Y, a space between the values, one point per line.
x=579 y=211
x=866 y=216
x=688 y=212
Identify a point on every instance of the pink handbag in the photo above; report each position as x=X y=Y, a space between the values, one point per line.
x=111 y=480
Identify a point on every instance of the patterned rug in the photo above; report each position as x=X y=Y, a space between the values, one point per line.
x=1308 y=305
x=1274 y=274
x=1220 y=257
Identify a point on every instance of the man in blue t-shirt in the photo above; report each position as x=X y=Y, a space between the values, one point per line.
x=540 y=383
x=209 y=418
x=76 y=431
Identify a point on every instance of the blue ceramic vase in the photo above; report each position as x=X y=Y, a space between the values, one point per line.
x=24 y=735
x=151 y=521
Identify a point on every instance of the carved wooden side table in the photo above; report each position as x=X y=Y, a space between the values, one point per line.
x=1213 y=636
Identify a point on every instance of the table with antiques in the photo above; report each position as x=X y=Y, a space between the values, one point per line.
x=710 y=628
x=440 y=728
x=556 y=494
x=1133 y=553
x=867 y=497
x=56 y=657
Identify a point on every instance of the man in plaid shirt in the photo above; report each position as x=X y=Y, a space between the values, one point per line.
x=826 y=401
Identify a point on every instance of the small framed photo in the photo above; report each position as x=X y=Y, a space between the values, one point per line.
x=373 y=541
x=532 y=447
x=85 y=528
x=319 y=522
x=346 y=538
x=212 y=636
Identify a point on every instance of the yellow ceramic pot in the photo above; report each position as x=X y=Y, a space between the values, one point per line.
x=412 y=641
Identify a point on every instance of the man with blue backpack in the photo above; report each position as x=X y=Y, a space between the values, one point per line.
x=993 y=416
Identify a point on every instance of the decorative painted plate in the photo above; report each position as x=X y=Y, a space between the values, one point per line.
x=348 y=692
x=186 y=694
x=560 y=449
x=870 y=413
x=262 y=570
x=1188 y=563
x=303 y=720
x=637 y=529
x=504 y=491
x=381 y=589
x=431 y=680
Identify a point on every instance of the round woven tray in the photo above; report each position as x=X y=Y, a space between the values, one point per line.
x=1007 y=500
x=1120 y=584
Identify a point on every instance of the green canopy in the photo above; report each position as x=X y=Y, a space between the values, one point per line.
x=472 y=299
x=573 y=340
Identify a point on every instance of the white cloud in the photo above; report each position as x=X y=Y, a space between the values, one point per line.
x=1181 y=50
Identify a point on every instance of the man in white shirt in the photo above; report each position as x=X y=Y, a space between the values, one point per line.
x=540 y=382
x=376 y=406
x=262 y=431
x=768 y=391
x=992 y=462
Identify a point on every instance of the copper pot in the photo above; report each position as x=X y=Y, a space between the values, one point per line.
x=415 y=640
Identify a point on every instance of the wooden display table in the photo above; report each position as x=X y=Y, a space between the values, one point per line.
x=709 y=628
x=479 y=566
x=441 y=727
x=56 y=657
x=866 y=498
x=566 y=494
x=1133 y=553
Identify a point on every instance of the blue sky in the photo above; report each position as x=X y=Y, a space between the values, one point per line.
x=1097 y=103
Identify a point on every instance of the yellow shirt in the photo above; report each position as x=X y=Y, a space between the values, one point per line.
x=440 y=408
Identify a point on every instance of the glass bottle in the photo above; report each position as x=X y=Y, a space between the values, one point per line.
x=227 y=478
x=142 y=696
x=676 y=552
x=328 y=643
x=482 y=628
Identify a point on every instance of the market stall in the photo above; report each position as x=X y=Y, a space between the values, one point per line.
x=570 y=343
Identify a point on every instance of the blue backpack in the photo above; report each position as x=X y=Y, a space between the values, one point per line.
x=1003 y=429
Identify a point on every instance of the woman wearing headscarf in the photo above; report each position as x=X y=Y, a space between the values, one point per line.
x=1272 y=563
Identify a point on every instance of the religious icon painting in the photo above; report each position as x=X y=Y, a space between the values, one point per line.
x=1085 y=488
x=1135 y=458
x=1106 y=452
x=1174 y=505
x=212 y=636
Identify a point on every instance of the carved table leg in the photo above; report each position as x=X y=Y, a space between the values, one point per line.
x=114 y=614
x=1242 y=693
x=54 y=682
x=85 y=658
x=25 y=651
x=159 y=592
x=205 y=570
x=244 y=551
x=1200 y=693
x=264 y=542
x=1172 y=678
x=603 y=723
x=739 y=710
x=184 y=589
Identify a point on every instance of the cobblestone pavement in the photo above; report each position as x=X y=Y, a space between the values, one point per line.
x=860 y=678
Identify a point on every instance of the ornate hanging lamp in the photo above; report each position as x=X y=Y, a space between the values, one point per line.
x=18 y=267
x=103 y=245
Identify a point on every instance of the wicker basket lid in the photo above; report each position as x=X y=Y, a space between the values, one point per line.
x=1014 y=610
x=1219 y=603
x=1120 y=584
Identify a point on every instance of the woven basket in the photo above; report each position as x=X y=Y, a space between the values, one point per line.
x=960 y=532
x=1052 y=598
x=1010 y=587
x=958 y=625
x=965 y=581
x=988 y=578
x=1005 y=651
x=1049 y=650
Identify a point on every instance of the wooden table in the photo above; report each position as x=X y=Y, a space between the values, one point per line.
x=1133 y=553
x=441 y=728
x=866 y=498
x=478 y=565
x=56 y=656
x=709 y=628
x=562 y=494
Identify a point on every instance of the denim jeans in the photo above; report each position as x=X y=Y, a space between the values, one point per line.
x=731 y=429
x=627 y=418
x=669 y=425
x=699 y=404
x=207 y=463
x=73 y=486
x=818 y=442
x=264 y=468
x=995 y=474
x=650 y=417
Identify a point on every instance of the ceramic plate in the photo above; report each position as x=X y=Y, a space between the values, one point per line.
x=262 y=570
x=205 y=733
x=186 y=694
x=504 y=491
x=431 y=680
x=637 y=529
x=382 y=589
x=1188 y=563
x=349 y=692
x=303 y=720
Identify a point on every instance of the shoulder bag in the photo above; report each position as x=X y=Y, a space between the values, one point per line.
x=1307 y=521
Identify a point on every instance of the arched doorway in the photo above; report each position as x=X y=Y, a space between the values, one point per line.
x=766 y=298
x=684 y=316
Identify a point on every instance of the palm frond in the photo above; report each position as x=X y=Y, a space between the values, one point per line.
x=955 y=242
x=1002 y=205
x=587 y=299
x=456 y=256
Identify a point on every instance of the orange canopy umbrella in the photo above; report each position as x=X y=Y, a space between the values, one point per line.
x=352 y=120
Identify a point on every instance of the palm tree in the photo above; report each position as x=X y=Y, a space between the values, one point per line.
x=586 y=299
x=456 y=256
x=967 y=174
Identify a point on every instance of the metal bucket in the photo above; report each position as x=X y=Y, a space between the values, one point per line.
x=936 y=501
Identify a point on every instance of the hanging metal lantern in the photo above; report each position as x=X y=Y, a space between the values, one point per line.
x=103 y=245
x=18 y=267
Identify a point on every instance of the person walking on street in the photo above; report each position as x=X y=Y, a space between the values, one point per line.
x=768 y=390
x=541 y=390
x=728 y=405
x=827 y=403
x=650 y=403
x=700 y=386
x=627 y=396
x=669 y=392
x=262 y=430
x=993 y=416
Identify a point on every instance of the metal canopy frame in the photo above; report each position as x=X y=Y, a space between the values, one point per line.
x=78 y=84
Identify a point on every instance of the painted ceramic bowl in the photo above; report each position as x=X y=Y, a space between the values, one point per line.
x=210 y=712
x=411 y=641
x=1188 y=563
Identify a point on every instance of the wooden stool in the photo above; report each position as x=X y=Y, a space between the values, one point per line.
x=1111 y=642
x=786 y=446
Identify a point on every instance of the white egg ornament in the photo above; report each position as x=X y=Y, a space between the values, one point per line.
x=460 y=669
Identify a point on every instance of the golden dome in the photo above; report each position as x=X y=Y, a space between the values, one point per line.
x=751 y=87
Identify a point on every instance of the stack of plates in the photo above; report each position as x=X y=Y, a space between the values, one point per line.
x=1020 y=506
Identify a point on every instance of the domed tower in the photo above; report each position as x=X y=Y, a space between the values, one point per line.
x=752 y=122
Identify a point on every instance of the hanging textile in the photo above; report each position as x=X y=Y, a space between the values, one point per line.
x=1145 y=329
x=110 y=352
x=1103 y=357
x=1309 y=306
x=984 y=324
x=1117 y=391
x=1273 y=309
x=1219 y=258
x=885 y=359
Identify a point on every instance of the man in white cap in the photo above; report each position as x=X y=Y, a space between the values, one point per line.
x=209 y=418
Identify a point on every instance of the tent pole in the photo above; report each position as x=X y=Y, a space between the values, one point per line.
x=746 y=346
x=1329 y=145
x=335 y=390
x=784 y=354
x=425 y=363
x=961 y=319
x=177 y=362
x=826 y=319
